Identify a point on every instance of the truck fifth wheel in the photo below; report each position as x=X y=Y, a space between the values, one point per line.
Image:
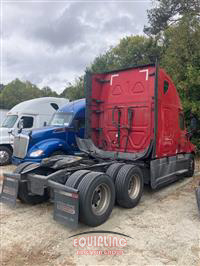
x=134 y=135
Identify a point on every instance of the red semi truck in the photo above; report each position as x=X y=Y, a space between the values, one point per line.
x=135 y=135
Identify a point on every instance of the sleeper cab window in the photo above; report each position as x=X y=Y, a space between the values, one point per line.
x=166 y=86
x=181 y=121
x=55 y=106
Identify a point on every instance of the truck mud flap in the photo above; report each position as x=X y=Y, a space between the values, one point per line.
x=10 y=189
x=198 y=197
x=66 y=205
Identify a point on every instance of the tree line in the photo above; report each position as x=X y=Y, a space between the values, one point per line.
x=18 y=91
x=172 y=37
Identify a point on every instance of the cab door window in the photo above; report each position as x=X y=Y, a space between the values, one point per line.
x=27 y=121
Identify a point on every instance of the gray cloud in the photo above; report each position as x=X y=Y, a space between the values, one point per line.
x=52 y=43
x=120 y=24
x=66 y=30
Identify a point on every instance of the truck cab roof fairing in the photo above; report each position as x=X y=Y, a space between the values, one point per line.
x=118 y=111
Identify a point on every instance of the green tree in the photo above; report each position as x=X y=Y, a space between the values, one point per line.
x=47 y=92
x=176 y=25
x=181 y=57
x=18 y=91
x=169 y=12
x=104 y=62
x=74 y=91
x=131 y=50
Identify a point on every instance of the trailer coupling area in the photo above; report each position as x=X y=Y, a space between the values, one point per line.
x=66 y=199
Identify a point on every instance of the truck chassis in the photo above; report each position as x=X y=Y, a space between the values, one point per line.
x=82 y=188
x=135 y=135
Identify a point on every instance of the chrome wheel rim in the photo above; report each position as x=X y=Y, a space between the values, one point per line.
x=134 y=186
x=101 y=199
x=4 y=157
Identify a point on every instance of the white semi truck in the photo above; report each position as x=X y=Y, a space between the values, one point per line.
x=30 y=114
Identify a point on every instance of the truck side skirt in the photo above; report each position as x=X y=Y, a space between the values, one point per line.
x=168 y=169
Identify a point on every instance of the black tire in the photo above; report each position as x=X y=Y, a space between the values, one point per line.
x=75 y=178
x=129 y=175
x=23 y=194
x=5 y=155
x=113 y=170
x=191 y=167
x=27 y=197
x=90 y=213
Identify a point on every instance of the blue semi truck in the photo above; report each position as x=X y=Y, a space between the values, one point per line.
x=56 y=139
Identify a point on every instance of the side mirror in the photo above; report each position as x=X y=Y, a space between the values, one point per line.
x=193 y=125
x=76 y=125
x=11 y=132
x=20 y=125
x=45 y=123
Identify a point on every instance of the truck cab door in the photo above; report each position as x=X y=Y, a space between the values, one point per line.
x=81 y=128
x=71 y=136
x=28 y=121
x=182 y=142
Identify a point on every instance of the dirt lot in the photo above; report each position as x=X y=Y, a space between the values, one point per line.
x=165 y=228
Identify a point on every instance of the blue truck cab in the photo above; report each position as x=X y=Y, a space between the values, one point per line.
x=59 y=137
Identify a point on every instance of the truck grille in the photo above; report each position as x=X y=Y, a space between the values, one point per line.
x=20 y=146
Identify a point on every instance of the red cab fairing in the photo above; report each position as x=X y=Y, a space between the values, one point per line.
x=121 y=109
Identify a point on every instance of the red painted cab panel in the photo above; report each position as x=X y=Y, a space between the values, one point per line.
x=171 y=133
x=131 y=109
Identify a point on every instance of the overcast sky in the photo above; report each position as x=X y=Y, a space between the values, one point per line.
x=51 y=43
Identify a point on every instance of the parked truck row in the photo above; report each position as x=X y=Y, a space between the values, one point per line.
x=134 y=135
x=30 y=114
x=58 y=138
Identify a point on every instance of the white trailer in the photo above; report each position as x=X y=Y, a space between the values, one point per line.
x=30 y=114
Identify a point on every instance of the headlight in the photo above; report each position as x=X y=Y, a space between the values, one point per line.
x=36 y=153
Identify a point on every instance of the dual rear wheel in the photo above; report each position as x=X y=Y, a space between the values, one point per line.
x=129 y=183
x=97 y=195
x=98 y=191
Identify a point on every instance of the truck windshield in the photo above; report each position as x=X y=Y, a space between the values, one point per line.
x=61 y=119
x=9 y=121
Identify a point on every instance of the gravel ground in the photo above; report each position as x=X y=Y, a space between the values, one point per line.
x=165 y=228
